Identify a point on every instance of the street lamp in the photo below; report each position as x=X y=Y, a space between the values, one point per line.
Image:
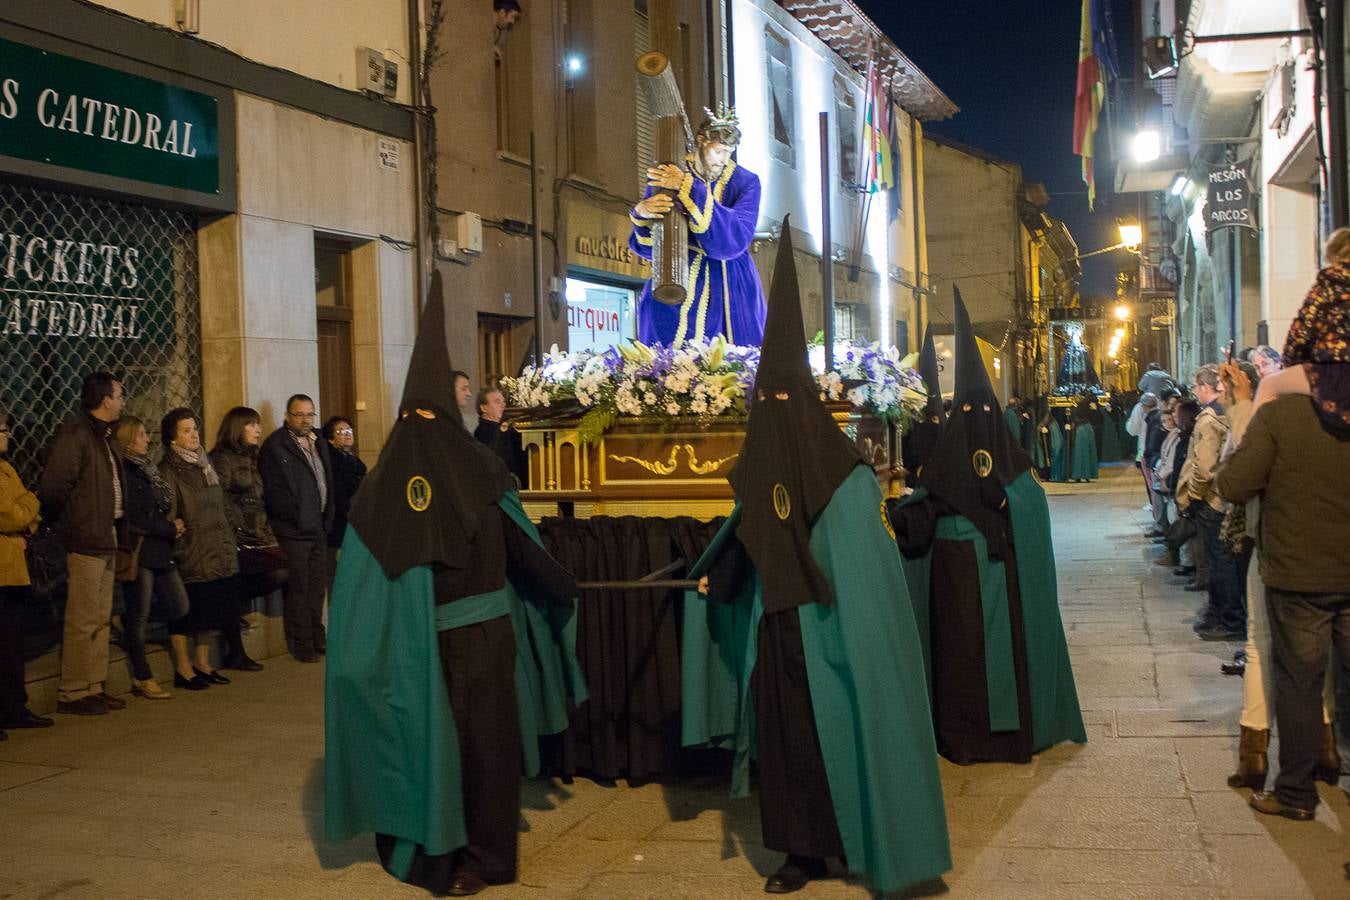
x=1123 y=312
x=1146 y=146
x=1131 y=235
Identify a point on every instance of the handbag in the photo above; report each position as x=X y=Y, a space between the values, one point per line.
x=256 y=559
x=46 y=559
x=128 y=561
x=1182 y=530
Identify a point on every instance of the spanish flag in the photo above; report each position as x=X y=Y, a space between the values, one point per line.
x=1095 y=62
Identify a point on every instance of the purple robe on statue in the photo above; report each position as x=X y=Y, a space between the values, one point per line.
x=723 y=292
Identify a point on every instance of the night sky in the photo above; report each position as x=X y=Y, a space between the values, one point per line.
x=1012 y=69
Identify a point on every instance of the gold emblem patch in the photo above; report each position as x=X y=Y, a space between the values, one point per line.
x=782 y=503
x=983 y=462
x=886 y=520
x=419 y=493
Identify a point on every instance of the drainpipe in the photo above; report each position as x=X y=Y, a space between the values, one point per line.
x=916 y=216
x=420 y=204
x=1334 y=53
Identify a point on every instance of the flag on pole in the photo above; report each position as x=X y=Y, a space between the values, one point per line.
x=879 y=173
x=893 y=146
x=1096 y=61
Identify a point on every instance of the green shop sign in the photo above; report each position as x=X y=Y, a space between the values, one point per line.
x=66 y=112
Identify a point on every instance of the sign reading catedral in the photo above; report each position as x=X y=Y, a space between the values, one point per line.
x=69 y=288
x=62 y=111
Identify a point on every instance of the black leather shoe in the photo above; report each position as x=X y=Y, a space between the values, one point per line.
x=1193 y=587
x=1269 y=804
x=305 y=656
x=464 y=884
x=794 y=874
x=213 y=677
x=242 y=663
x=85 y=706
x=110 y=701
x=1219 y=633
x=1233 y=668
x=28 y=720
x=195 y=683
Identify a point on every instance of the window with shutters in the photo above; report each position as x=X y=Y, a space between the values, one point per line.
x=778 y=71
x=646 y=125
x=846 y=124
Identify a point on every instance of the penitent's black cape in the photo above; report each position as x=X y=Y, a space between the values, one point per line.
x=794 y=456
x=918 y=443
x=428 y=462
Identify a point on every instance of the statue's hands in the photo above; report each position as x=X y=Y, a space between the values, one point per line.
x=665 y=177
x=655 y=206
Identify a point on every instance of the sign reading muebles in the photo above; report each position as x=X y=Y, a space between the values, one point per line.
x=66 y=112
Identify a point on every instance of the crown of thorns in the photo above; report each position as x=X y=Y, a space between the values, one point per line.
x=723 y=124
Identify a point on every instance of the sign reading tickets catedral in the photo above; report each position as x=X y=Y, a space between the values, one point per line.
x=67 y=112
x=70 y=288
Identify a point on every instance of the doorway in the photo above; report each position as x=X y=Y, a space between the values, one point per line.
x=333 y=296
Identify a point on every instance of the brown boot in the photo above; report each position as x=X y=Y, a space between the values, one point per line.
x=1329 y=763
x=1251 y=770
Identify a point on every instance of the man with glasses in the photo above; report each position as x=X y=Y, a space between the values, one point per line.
x=297 y=474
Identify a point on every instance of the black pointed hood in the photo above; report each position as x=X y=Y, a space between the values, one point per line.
x=424 y=500
x=794 y=456
x=430 y=381
x=918 y=442
x=976 y=455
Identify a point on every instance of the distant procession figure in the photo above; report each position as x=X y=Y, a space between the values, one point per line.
x=721 y=200
x=1083 y=463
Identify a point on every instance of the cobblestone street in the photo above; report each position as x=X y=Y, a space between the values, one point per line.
x=220 y=794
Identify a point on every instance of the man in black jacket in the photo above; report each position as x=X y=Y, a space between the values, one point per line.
x=81 y=492
x=297 y=476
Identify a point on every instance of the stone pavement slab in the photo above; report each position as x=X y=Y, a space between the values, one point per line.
x=219 y=794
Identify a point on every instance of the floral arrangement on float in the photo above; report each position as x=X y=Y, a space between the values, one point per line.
x=705 y=381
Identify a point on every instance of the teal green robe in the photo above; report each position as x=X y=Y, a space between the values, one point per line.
x=1111 y=449
x=1083 y=458
x=392 y=761
x=865 y=668
x=1053 y=696
x=1058 y=464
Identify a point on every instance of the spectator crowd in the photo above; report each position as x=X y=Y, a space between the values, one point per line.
x=192 y=538
x=1244 y=468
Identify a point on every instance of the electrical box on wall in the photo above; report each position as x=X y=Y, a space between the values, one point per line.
x=372 y=72
x=469 y=232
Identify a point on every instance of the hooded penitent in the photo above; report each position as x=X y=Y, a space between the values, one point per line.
x=976 y=534
x=976 y=455
x=442 y=582
x=424 y=501
x=794 y=456
x=919 y=441
x=809 y=653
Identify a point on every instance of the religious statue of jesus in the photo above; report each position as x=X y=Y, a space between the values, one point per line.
x=723 y=294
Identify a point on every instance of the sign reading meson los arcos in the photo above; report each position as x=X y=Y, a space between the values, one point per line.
x=69 y=289
x=66 y=112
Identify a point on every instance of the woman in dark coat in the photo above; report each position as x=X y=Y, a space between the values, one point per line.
x=152 y=519
x=262 y=565
x=205 y=554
